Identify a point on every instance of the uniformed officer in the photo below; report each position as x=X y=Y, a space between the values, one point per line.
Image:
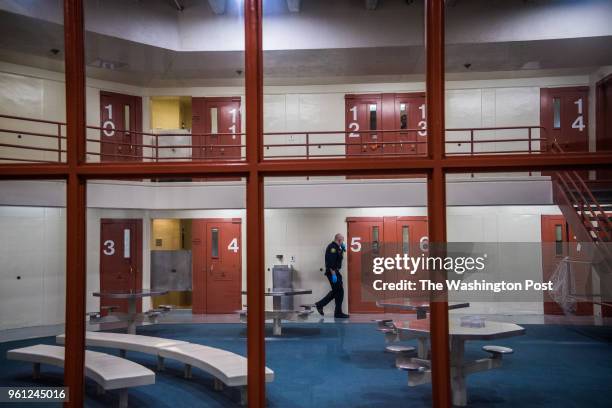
x=333 y=264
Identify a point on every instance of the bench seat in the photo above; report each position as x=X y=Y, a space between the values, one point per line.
x=226 y=367
x=229 y=368
x=109 y=372
x=123 y=341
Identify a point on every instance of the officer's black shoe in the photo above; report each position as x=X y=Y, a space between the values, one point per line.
x=341 y=316
x=319 y=309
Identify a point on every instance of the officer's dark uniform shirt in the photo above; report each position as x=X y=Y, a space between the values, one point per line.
x=333 y=257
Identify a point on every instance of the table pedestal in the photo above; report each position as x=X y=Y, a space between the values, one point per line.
x=276 y=327
x=131 y=316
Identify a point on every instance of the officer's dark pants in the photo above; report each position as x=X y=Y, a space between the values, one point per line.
x=336 y=293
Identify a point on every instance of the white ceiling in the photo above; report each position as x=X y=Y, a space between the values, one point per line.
x=28 y=40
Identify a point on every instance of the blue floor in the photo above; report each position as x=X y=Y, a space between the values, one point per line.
x=343 y=365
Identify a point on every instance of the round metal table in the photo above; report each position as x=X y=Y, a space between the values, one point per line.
x=277 y=313
x=131 y=297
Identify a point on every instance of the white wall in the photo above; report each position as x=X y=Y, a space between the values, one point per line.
x=32 y=248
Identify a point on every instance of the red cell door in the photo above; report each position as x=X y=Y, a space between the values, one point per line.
x=363 y=120
x=121 y=123
x=410 y=113
x=564 y=115
x=558 y=243
x=120 y=259
x=604 y=121
x=217 y=265
x=365 y=240
x=216 y=128
x=373 y=237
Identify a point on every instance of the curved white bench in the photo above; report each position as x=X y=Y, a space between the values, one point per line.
x=126 y=342
x=109 y=372
x=226 y=367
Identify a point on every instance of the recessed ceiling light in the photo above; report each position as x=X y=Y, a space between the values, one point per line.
x=106 y=64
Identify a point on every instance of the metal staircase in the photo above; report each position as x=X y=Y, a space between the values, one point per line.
x=587 y=207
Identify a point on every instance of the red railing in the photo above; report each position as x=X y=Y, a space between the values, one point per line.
x=159 y=146
x=400 y=142
x=583 y=202
x=49 y=135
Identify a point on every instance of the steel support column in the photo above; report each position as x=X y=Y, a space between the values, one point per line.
x=436 y=194
x=75 y=203
x=255 y=201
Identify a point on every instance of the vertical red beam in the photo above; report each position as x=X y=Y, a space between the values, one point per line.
x=254 y=204
x=75 y=203
x=436 y=193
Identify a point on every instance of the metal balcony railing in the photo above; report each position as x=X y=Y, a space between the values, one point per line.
x=35 y=140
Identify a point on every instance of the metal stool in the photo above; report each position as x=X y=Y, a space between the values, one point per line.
x=410 y=366
x=497 y=352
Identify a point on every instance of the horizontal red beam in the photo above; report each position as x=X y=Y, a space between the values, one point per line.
x=11 y=171
x=162 y=169
x=361 y=165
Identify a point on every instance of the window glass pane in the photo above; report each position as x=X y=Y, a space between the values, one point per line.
x=126 y=117
x=373 y=117
x=517 y=225
x=214 y=121
x=331 y=68
x=127 y=243
x=375 y=239
x=32 y=276
x=299 y=248
x=403 y=116
x=214 y=243
x=558 y=233
x=556 y=113
x=158 y=253
x=510 y=70
x=169 y=61
x=558 y=239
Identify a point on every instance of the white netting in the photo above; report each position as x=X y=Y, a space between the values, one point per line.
x=561 y=292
